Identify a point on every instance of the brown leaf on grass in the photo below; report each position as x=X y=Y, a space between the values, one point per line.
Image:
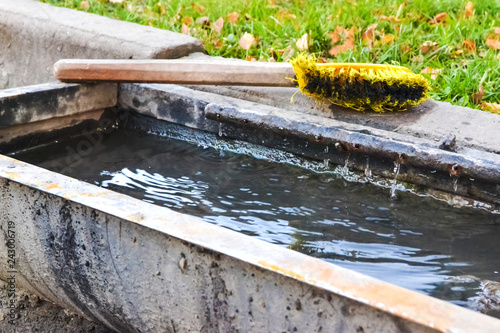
x=469 y=46
x=368 y=35
x=428 y=46
x=493 y=43
x=251 y=59
x=187 y=20
x=387 y=39
x=232 y=17
x=204 y=21
x=219 y=24
x=439 y=18
x=477 y=97
x=432 y=71
x=491 y=107
x=497 y=31
x=302 y=43
x=185 y=29
x=197 y=7
x=405 y=48
x=286 y=53
x=246 y=41
x=391 y=18
x=84 y=5
x=469 y=9
x=336 y=34
x=418 y=58
x=348 y=44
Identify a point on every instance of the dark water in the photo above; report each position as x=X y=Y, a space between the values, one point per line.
x=413 y=241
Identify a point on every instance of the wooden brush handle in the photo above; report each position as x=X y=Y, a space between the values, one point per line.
x=176 y=71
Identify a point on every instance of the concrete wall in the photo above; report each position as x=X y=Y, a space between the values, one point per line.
x=137 y=267
x=34 y=35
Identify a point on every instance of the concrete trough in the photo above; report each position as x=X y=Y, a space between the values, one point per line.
x=137 y=267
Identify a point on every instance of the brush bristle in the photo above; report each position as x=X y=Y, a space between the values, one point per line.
x=390 y=89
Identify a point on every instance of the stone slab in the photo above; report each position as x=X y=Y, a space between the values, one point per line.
x=34 y=35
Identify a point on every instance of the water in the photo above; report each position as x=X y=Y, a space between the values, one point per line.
x=413 y=241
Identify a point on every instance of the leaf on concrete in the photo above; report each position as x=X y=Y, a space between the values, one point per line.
x=302 y=43
x=219 y=24
x=232 y=17
x=246 y=41
x=432 y=71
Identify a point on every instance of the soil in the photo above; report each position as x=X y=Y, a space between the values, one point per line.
x=34 y=314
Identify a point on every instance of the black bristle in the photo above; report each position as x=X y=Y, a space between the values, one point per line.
x=351 y=88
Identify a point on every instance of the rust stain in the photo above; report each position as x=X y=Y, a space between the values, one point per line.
x=284 y=271
x=12 y=174
x=53 y=186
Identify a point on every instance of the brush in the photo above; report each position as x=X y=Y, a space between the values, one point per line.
x=357 y=86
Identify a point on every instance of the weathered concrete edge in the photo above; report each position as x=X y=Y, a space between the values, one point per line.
x=35 y=35
x=466 y=172
x=51 y=100
x=397 y=301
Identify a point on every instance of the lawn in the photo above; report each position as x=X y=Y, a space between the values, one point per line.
x=455 y=43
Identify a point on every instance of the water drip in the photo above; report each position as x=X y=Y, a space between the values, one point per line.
x=326 y=163
x=397 y=166
x=345 y=170
x=368 y=172
x=220 y=129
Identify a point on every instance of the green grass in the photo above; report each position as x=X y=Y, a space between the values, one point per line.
x=278 y=24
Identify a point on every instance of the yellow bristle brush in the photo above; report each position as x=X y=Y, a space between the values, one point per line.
x=357 y=86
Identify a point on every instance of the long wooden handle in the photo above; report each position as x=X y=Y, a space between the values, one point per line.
x=176 y=71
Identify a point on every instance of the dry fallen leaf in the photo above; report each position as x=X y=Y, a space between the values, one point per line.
x=432 y=71
x=246 y=41
x=491 y=107
x=232 y=17
x=302 y=43
x=493 y=43
x=286 y=53
x=185 y=29
x=219 y=24
x=428 y=46
x=477 y=97
x=369 y=33
x=84 y=5
x=336 y=34
x=251 y=59
x=197 y=7
x=348 y=44
x=387 y=39
x=204 y=20
x=497 y=31
x=469 y=46
x=187 y=20
x=405 y=48
x=439 y=18
x=469 y=9
x=391 y=18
